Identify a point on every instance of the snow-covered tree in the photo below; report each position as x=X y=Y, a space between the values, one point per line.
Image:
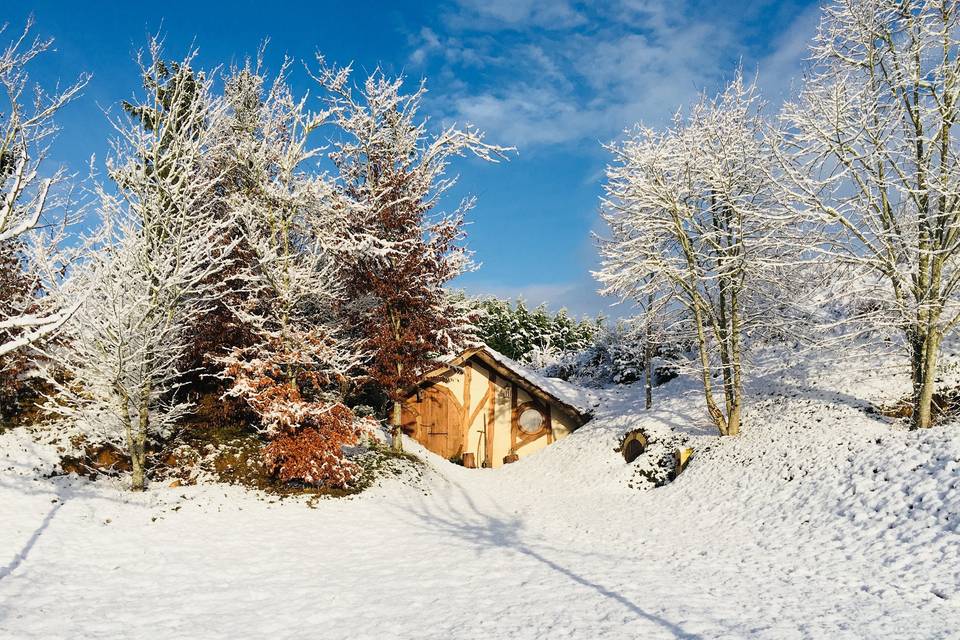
x=395 y=172
x=292 y=223
x=518 y=332
x=871 y=150
x=118 y=370
x=239 y=175
x=694 y=218
x=27 y=125
x=16 y=290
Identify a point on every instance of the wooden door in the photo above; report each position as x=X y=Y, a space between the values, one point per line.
x=440 y=426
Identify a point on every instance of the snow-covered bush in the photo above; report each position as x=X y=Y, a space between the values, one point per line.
x=614 y=355
x=313 y=452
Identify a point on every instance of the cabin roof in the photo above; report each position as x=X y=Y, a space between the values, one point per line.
x=547 y=389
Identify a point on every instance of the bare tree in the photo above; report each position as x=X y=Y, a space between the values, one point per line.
x=27 y=125
x=654 y=317
x=694 y=221
x=870 y=151
x=120 y=364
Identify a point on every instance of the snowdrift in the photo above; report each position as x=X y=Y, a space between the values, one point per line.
x=821 y=520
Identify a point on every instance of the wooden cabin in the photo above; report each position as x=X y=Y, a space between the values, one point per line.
x=483 y=409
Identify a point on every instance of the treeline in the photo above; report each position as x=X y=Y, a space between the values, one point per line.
x=589 y=351
x=518 y=332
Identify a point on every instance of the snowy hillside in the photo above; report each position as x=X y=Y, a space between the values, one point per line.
x=819 y=521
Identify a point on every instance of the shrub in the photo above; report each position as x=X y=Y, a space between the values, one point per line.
x=614 y=356
x=313 y=453
x=306 y=423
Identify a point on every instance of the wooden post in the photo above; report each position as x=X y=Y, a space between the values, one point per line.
x=491 y=420
x=465 y=410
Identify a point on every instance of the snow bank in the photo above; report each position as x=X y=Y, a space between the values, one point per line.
x=820 y=520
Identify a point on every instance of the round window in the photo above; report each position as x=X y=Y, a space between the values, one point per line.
x=530 y=421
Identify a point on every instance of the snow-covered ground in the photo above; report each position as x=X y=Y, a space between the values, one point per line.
x=820 y=521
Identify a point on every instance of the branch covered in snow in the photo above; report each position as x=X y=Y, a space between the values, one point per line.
x=28 y=113
x=869 y=150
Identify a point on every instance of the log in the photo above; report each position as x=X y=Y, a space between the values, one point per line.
x=682 y=458
x=470 y=460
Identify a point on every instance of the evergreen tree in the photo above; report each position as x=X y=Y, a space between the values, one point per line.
x=516 y=331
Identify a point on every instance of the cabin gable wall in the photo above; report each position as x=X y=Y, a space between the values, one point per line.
x=485 y=408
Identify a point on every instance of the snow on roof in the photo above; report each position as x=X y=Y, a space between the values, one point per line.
x=575 y=397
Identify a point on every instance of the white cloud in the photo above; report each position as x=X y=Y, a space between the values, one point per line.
x=581 y=83
x=527 y=116
x=428 y=42
x=599 y=67
x=539 y=74
x=518 y=14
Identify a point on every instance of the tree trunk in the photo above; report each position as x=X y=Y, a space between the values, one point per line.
x=715 y=413
x=735 y=408
x=648 y=367
x=925 y=381
x=648 y=353
x=730 y=398
x=138 y=450
x=136 y=443
x=733 y=417
x=722 y=330
x=396 y=431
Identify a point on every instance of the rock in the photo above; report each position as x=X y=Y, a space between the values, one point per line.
x=175 y=484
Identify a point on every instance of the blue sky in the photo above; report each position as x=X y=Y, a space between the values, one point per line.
x=554 y=78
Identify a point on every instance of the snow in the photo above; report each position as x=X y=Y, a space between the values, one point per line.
x=580 y=398
x=819 y=521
